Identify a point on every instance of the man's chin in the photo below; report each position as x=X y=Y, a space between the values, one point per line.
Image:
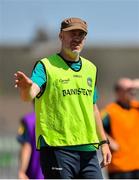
x=72 y=53
x=76 y=52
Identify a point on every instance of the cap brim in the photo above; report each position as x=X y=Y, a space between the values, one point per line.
x=74 y=28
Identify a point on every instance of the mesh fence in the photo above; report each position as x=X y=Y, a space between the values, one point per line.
x=9 y=151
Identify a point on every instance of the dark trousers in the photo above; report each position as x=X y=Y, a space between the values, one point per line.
x=66 y=164
x=125 y=175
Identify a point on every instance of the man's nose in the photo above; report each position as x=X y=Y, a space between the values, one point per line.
x=77 y=39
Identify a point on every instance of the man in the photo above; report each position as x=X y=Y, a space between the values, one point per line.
x=121 y=122
x=29 y=159
x=68 y=127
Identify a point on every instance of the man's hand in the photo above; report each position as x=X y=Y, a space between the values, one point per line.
x=22 y=81
x=28 y=89
x=22 y=175
x=106 y=155
x=114 y=146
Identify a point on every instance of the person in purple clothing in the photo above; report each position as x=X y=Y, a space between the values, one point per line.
x=29 y=166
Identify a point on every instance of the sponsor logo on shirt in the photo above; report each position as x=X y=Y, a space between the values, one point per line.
x=78 y=91
x=89 y=81
x=57 y=168
x=64 y=81
x=77 y=76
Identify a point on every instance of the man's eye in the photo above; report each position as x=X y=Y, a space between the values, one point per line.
x=81 y=34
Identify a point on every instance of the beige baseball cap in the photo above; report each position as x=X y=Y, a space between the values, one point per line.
x=73 y=23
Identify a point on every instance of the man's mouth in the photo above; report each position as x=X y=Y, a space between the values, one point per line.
x=75 y=46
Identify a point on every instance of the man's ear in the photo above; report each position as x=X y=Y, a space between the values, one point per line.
x=60 y=35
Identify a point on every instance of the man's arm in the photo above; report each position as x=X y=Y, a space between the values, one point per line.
x=24 y=158
x=28 y=89
x=101 y=134
x=23 y=138
x=114 y=146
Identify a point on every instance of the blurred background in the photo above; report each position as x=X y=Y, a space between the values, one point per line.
x=29 y=31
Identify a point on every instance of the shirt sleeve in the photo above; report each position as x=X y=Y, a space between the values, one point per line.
x=106 y=121
x=23 y=134
x=95 y=96
x=39 y=75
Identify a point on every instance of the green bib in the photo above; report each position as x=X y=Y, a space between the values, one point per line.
x=64 y=112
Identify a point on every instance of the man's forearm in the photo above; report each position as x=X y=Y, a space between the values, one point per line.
x=28 y=94
x=99 y=125
x=25 y=154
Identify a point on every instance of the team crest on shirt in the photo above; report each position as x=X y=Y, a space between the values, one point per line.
x=21 y=129
x=89 y=81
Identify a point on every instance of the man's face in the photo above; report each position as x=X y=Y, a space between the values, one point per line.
x=127 y=94
x=73 y=40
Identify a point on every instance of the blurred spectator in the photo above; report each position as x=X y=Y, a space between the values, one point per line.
x=29 y=166
x=121 y=122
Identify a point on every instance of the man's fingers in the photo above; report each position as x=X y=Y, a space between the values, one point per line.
x=106 y=161
x=109 y=157
x=15 y=86
x=19 y=75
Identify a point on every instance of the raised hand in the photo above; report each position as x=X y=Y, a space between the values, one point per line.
x=28 y=89
x=22 y=81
